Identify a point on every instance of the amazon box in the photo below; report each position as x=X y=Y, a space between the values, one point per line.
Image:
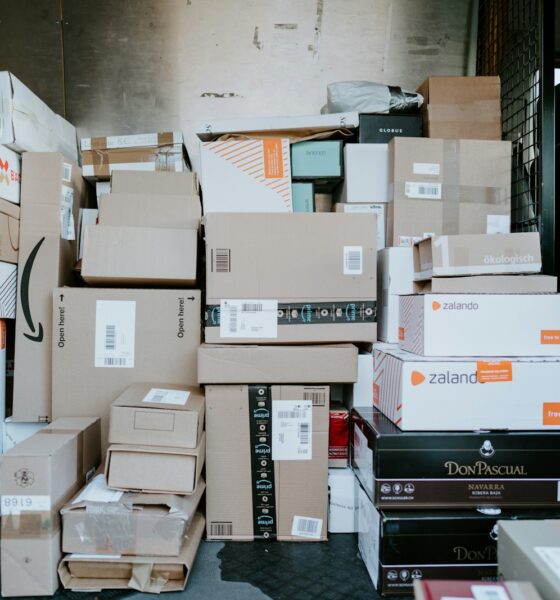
x=107 y=339
x=139 y=256
x=447 y=187
x=10 y=175
x=319 y=287
x=154 y=183
x=38 y=476
x=154 y=469
x=269 y=480
x=158 y=415
x=149 y=574
x=52 y=193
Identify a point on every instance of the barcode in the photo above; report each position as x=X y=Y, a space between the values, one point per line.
x=317 y=398
x=298 y=413
x=221 y=529
x=158 y=397
x=427 y=190
x=233 y=319
x=67 y=172
x=354 y=260
x=111 y=361
x=307 y=527
x=303 y=434
x=110 y=337
x=222 y=260
x=251 y=307
x=423 y=190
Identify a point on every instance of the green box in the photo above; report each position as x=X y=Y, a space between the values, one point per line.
x=317 y=160
x=303 y=196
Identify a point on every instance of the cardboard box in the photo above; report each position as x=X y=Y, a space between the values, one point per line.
x=381 y=129
x=154 y=182
x=107 y=339
x=150 y=210
x=488 y=284
x=103 y=521
x=88 y=216
x=303 y=196
x=480 y=324
x=154 y=469
x=447 y=187
x=367 y=173
x=343 y=501
x=102 y=187
x=319 y=287
x=27 y=124
x=323 y=364
x=246 y=175
x=9 y=231
x=482 y=254
x=323 y=203
x=528 y=550
x=139 y=256
x=462 y=107
x=37 y=477
x=396 y=276
x=318 y=160
x=339 y=432
x=269 y=489
x=361 y=393
x=140 y=152
x=47 y=253
x=457 y=590
x=455 y=394
x=410 y=470
x=10 y=175
x=14 y=433
x=376 y=209
x=8 y=290
x=149 y=574
x=158 y=415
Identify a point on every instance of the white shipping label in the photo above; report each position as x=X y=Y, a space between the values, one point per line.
x=115 y=330
x=130 y=141
x=551 y=556
x=76 y=556
x=420 y=189
x=97 y=491
x=408 y=240
x=425 y=168
x=497 y=224
x=67 y=228
x=249 y=318
x=376 y=209
x=66 y=172
x=292 y=429
x=16 y=504
x=489 y=592
x=352 y=260
x=161 y=396
x=307 y=527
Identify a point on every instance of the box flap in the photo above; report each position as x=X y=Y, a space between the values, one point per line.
x=139 y=395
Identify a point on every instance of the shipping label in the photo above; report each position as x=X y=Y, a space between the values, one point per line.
x=292 y=428
x=163 y=396
x=249 y=319
x=115 y=330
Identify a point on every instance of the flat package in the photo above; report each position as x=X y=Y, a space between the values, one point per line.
x=153 y=182
x=10 y=174
x=485 y=284
x=312 y=279
x=139 y=256
x=482 y=254
x=99 y=520
x=409 y=470
x=157 y=414
x=329 y=363
x=52 y=193
x=367 y=173
x=149 y=574
x=459 y=590
x=106 y=339
x=447 y=187
x=343 y=501
x=381 y=129
x=480 y=324
x=269 y=481
x=377 y=209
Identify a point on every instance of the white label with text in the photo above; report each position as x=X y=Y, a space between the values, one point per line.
x=16 y=504
x=115 y=330
x=292 y=429
x=161 y=396
x=249 y=318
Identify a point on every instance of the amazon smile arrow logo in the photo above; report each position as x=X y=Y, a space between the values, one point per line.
x=24 y=295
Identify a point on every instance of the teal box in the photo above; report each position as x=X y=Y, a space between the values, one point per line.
x=303 y=197
x=317 y=160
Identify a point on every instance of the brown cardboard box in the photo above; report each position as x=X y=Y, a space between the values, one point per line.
x=37 y=477
x=488 y=284
x=107 y=339
x=150 y=210
x=267 y=489
x=482 y=254
x=103 y=521
x=9 y=231
x=333 y=363
x=462 y=108
x=46 y=260
x=154 y=182
x=150 y=574
x=301 y=278
x=447 y=187
x=158 y=415
x=141 y=256
x=160 y=469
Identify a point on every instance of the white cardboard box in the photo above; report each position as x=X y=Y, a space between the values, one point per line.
x=366 y=168
x=246 y=175
x=102 y=187
x=466 y=393
x=361 y=392
x=343 y=501
x=27 y=124
x=10 y=175
x=395 y=275
x=376 y=209
x=480 y=324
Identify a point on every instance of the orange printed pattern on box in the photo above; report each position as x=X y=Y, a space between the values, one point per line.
x=551 y=413
x=376 y=394
x=401 y=334
x=273 y=159
x=488 y=372
x=550 y=336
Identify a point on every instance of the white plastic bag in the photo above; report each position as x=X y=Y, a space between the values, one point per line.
x=369 y=97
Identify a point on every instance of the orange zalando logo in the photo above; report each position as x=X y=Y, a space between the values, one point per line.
x=551 y=413
x=436 y=305
x=416 y=378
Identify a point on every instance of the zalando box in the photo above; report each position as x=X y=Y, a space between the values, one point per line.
x=10 y=175
x=480 y=324
x=466 y=393
x=303 y=278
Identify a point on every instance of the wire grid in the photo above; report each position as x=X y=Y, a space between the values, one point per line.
x=508 y=46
